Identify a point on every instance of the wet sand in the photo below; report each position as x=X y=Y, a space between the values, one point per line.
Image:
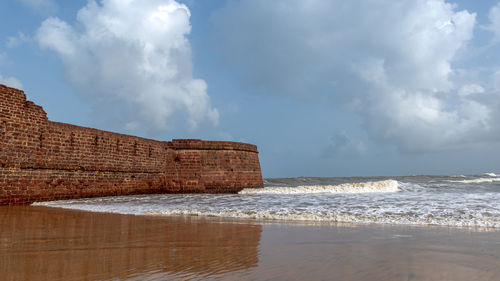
x=41 y=243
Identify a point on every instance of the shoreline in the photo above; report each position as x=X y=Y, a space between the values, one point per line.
x=275 y=221
x=40 y=242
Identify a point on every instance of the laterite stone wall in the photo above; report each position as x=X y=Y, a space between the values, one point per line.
x=212 y=166
x=42 y=160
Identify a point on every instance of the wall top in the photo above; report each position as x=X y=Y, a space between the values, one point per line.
x=18 y=96
x=211 y=145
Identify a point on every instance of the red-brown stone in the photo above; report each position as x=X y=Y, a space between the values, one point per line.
x=42 y=160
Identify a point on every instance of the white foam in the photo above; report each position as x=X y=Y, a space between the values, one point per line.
x=490 y=174
x=479 y=180
x=419 y=202
x=449 y=217
x=363 y=187
x=338 y=217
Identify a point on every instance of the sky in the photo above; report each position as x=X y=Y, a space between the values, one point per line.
x=323 y=88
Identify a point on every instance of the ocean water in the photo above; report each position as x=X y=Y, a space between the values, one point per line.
x=471 y=201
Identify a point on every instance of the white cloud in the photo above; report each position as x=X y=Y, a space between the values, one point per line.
x=470 y=89
x=393 y=60
x=132 y=61
x=494 y=17
x=421 y=120
x=11 y=82
x=43 y=6
x=496 y=80
x=15 y=41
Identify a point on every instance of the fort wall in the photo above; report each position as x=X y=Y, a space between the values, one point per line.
x=42 y=160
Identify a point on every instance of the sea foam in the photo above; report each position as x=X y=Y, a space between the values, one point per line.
x=419 y=200
x=478 y=180
x=362 y=187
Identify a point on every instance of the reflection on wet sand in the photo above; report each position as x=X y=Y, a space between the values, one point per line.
x=377 y=252
x=39 y=243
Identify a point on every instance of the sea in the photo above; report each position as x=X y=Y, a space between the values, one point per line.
x=465 y=201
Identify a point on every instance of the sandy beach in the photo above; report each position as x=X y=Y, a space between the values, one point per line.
x=43 y=243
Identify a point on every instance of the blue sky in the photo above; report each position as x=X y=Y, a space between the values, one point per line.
x=323 y=88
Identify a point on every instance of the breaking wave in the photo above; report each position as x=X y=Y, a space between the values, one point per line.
x=416 y=200
x=490 y=174
x=479 y=180
x=363 y=187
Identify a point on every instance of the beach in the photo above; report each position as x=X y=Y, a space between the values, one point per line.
x=249 y=140
x=45 y=243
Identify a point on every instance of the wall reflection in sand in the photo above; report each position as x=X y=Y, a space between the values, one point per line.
x=39 y=243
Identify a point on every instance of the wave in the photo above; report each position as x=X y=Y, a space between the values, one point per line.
x=479 y=180
x=331 y=216
x=482 y=218
x=411 y=201
x=363 y=187
x=490 y=174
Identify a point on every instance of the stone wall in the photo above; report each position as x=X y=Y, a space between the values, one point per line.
x=42 y=160
x=212 y=166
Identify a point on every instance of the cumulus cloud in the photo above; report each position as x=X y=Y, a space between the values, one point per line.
x=11 y=82
x=132 y=61
x=391 y=62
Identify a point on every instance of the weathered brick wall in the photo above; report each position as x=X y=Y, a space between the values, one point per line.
x=213 y=166
x=21 y=125
x=42 y=160
x=72 y=147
